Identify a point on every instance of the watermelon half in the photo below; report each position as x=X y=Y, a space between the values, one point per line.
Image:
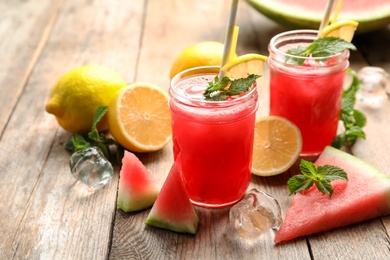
x=307 y=14
x=366 y=195
x=173 y=209
x=137 y=188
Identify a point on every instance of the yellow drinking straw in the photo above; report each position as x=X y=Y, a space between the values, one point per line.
x=337 y=11
x=328 y=11
x=233 y=46
x=231 y=37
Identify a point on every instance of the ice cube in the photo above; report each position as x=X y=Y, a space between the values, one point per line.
x=375 y=86
x=91 y=167
x=255 y=214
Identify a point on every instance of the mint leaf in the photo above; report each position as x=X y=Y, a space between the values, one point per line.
x=339 y=141
x=308 y=169
x=353 y=120
x=298 y=51
x=239 y=86
x=299 y=183
x=327 y=46
x=99 y=113
x=321 y=176
x=217 y=85
x=220 y=90
x=322 y=47
x=94 y=138
x=77 y=142
x=218 y=97
x=360 y=118
x=331 y=172
x=324 y=187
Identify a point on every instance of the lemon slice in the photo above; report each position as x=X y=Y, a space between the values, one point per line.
x=344 y=29
x=277 y=145
x=244 y=65
x=139 y=118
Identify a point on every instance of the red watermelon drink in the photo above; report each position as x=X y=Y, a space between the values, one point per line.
x=308 y=94
x=212 y=140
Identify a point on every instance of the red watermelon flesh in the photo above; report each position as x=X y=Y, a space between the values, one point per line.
x=137 y=188
x=173 y=209
x=366 y=195
x=307 y=14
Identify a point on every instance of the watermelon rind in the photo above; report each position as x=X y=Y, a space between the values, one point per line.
x=296 y=15
x=173 y=209
x=137 y=203
x=190 y=227
x=366 y=195
x=138 y=189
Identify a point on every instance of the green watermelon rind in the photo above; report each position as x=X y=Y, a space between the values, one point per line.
x=190 y=226
x=137 y=203
x=296 y=17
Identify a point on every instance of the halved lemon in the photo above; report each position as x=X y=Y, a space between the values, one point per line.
x=139 y=117
x=244 y=65
x=277 y=145
x=344 y=29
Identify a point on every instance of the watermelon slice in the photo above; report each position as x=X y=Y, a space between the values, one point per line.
x=366 y=195
x=173 y=209
x=307 y=14
x=137 y=188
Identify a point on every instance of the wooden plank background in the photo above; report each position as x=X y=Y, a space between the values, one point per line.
x=45 y=213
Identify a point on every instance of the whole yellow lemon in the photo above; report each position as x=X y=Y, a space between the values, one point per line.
x=200 y=54
x=77 y=94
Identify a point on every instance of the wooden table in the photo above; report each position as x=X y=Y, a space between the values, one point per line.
x=46 y=214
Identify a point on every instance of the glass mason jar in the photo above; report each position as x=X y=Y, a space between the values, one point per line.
x=309 y=95
x=212 y=140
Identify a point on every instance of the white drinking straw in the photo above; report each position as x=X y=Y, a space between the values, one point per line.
x=328 y=11
x=229 y=35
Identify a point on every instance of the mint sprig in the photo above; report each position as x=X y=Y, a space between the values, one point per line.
x=94 y=138
x=321 y=47
x=320 y=176
x=219 y=90
x=353 y=120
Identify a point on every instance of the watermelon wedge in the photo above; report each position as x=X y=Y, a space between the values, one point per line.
x=307 y=14
x=173 y=209
x=366 y=195
x=137 y=188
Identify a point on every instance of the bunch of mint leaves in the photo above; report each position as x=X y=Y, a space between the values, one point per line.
x=353 y=119
x=219 y=90
x=320 y=176
x=321 y=47
x=94 y=138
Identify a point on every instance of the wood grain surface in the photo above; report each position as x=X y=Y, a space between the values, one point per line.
x=46 y=214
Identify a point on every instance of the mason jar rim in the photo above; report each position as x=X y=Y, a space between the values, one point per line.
x=202 y=102
x=310 y=34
